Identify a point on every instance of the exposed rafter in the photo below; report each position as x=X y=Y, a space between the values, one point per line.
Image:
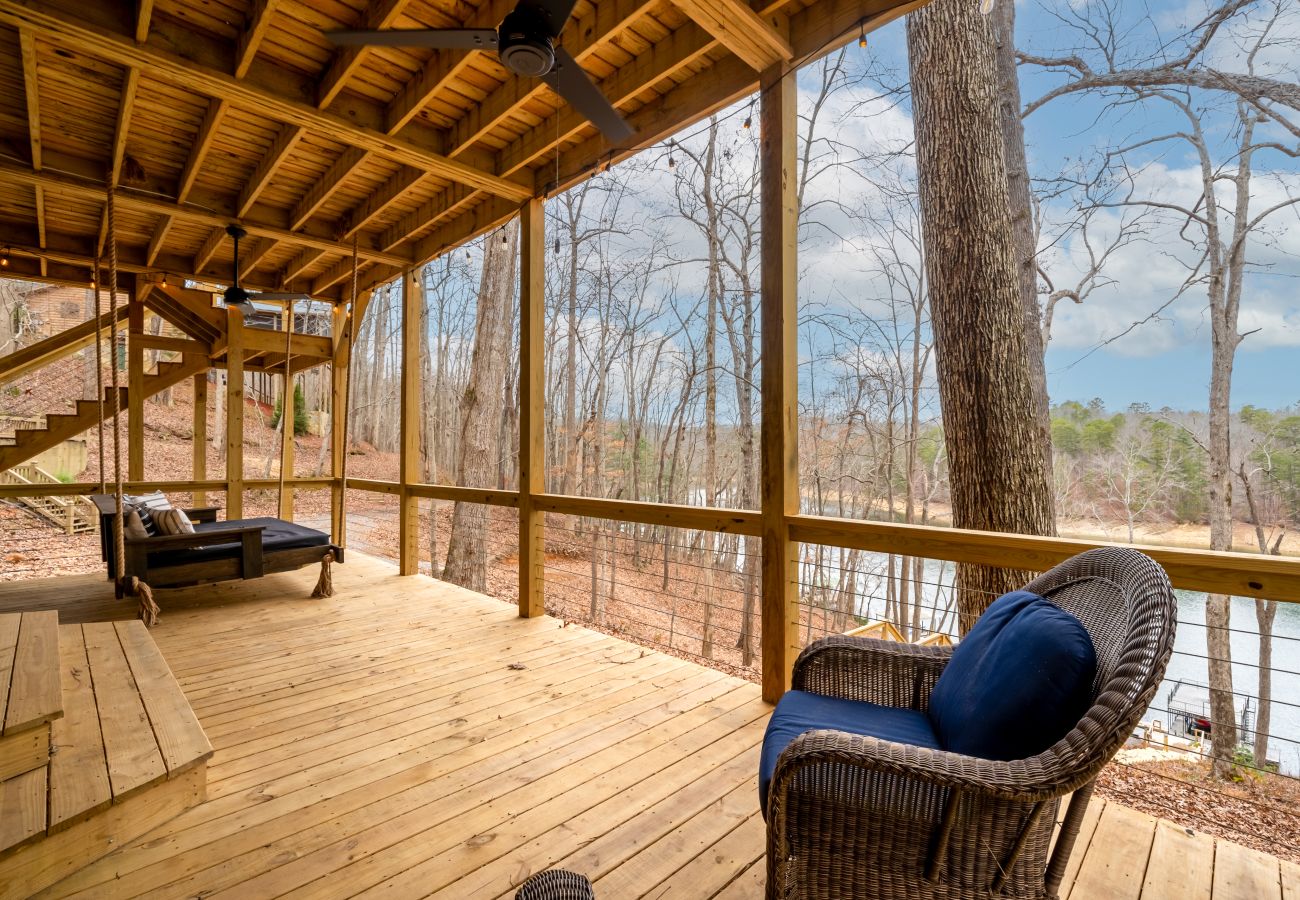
x=389 y=192
x=299 y=264
x=214 y=83
x=279 y=151
x=140 y=202
x=259 y=20
x=254 y=252
x=326 y=185
x=379 y=14
x=130 y=82
x=159 y=237
x=208 y=250
x=741 y=30
x=31 y=86
x=199 y=149
x=143 y=16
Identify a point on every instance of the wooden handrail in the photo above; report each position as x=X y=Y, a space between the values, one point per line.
x=1238 y=574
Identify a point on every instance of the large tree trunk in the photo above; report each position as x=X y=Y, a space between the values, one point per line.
x=480 y=412
x=1024 y=240
x=999 y=474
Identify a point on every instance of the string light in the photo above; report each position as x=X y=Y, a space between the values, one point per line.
x=557 y=246
x=503 y=237
x=749 y=117
x=862 y=36
x=672 y=163
x=4 y=258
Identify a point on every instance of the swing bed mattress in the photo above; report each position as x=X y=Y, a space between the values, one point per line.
x=277 y=535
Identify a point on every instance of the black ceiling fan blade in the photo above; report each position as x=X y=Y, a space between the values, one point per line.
x=435 y=38
x=573 y=84
x=555 y=13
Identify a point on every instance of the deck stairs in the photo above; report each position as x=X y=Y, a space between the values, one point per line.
x=75 y=515
x=98 y=745
x=59 y=427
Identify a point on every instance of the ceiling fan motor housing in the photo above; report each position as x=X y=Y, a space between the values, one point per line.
x=524 y=45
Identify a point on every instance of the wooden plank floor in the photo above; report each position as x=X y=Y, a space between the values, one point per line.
x=408 y=738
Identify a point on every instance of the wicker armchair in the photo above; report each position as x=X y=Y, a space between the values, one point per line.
x=853 y=816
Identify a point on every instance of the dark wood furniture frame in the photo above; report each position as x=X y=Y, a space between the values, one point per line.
x=251 y=562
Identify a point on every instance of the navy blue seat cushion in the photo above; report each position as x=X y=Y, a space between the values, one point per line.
x=799 y=711
x=1017 y=683
x=277 y=535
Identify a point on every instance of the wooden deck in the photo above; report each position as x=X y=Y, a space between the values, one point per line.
x=410 y=738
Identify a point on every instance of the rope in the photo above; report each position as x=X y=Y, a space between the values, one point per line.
x=288 y=409
x=99 y=377
x=325 y=585
x=127 y=585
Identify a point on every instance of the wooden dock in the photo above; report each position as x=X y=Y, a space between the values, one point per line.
x=409 y=738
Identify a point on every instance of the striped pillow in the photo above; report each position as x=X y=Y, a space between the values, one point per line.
x=148 y=505
x=135 y=529
x=172 y=521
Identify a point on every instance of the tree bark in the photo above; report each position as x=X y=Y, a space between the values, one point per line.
x=480 y=413
x=1000 y=479
x=1019 y=197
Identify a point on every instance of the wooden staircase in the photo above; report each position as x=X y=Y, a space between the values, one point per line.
x=75 y=515
x=99 y=745
x=60 y=427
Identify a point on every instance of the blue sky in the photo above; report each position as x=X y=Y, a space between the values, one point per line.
x=1166 y=362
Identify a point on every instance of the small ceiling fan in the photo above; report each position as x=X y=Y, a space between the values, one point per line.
x=525 y=44
x=241 y=299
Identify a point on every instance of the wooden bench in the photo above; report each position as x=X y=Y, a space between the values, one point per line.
x=126 y=755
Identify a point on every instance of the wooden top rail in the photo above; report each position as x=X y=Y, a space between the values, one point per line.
x=1239 y=574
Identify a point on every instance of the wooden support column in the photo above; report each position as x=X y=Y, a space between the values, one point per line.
x=135 y=389
x=780 y=447
x=234 y=414
x=200 y=498
x=532 y=406
x=409 y=505
x=341 y=325
x=288 y=419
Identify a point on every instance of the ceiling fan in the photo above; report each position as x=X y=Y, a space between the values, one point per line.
x=241 y=299
x=525 y=44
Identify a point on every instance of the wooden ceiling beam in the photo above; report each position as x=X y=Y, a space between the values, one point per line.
x=31 y=86
x=215 y=218
x=208 y=250
x=159 y=237
x=269 y=164
x=326 y=185
x=341 y=274
x=208 y=130
x=374 y=205
x=741 y=30
x=130 y=82
x=254 y=252
x=259 y=20
x=299 y=264
x=143 y=16
x=379 y=14
x=211 y=82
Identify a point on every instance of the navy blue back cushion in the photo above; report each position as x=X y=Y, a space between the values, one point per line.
x=1017 y=683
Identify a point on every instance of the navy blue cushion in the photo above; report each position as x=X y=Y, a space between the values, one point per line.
x=799 y=711
x=1017 y=683
x=276 y=535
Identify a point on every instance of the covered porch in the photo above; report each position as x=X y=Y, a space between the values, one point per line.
x=364 y=746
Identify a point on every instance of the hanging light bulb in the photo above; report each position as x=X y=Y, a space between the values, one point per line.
x=503 y=236
x=557 y=246
x=672 y=163
x=468 y=258
x=749 y=121
x=4 y=258
x=862 y=37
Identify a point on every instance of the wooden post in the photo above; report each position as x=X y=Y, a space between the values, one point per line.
x=288 y=419
x=135 y=389
x=200 y=498
x=234 y=414
x=780 y=447
x=532 y=406
x=409 y=505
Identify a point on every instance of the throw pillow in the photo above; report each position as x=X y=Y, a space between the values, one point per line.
x=1017 y=683
x=135 y=529
x=173 y=521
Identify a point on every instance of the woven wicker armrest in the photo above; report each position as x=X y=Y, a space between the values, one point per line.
x=1040 y=777
x=883 y=672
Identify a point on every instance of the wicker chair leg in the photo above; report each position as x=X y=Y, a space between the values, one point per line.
x=1008 y=864
x=939 y=852
x=1065 y=840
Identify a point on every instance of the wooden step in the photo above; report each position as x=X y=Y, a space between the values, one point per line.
x=127 y=755
x=30 y=698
